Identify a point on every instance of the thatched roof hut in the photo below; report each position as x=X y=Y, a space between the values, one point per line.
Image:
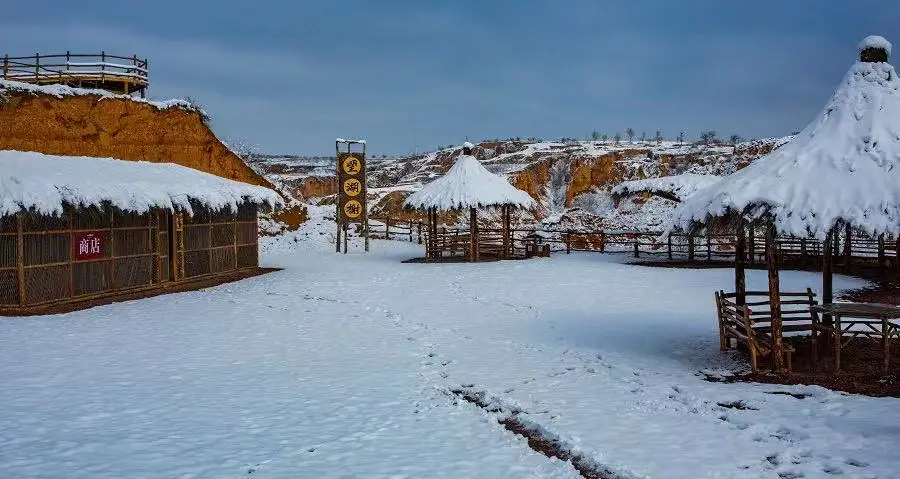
x=843 y=170
x=468 y=185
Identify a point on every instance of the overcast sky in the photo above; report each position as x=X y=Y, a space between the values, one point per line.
x=290 y=76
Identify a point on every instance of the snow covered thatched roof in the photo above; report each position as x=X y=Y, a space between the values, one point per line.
x=844 y=166
x=468 y=184
x=31 y=180
x=676 y=187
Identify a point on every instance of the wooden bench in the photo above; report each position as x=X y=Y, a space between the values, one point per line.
x=751 y=324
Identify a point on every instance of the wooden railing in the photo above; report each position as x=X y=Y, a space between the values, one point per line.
x=77 y=68
x=798 y=252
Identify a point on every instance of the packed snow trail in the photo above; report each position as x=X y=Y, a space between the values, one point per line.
x=340 y=366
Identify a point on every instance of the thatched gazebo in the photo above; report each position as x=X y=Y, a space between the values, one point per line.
x=468 y=185
x=841 y=171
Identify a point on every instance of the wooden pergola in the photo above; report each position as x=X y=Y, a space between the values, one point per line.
x=467 y=186
x=841 y=172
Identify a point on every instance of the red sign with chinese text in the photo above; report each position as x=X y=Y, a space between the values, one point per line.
x=88 y=245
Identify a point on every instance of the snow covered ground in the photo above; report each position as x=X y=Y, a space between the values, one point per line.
x=339 y=366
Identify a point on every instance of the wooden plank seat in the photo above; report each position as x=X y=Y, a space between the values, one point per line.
x=750 y=324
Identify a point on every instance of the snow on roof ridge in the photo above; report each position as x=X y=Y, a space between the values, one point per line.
x=60 y=91
x=681 y=186
x=844 y=166
x=874 y=41
x=468 y=184
x=30 y=180
x=341 y=140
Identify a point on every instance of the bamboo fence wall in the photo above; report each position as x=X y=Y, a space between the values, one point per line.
x=39 y=264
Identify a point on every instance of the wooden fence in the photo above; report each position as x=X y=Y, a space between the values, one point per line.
x=863 y=251
x=117 y=73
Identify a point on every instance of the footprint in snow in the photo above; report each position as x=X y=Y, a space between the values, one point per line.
x=832 y=470
x=856 y=463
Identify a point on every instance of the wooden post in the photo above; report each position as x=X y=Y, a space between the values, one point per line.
x=774 y=298
x=669 y=246
x=346 y=235
x=751 y=244
x=387 y=228
x=848 y=246
x=708 y=247
x=881 y=256
x=802 y=252
x=37 y=66
x=507 y=233
x=836 y=243
x=897 y=256
x=603 y=241
x=410 y=231
x=112 y=250
x=71 y=256
x=6 y=66
x=690 y=238
x=636 y=246
x=473 y=234
x=20 y=257
x=740 y=281
x=569 y=242
x=235 y=228
x=419 y=231
x=827 y=276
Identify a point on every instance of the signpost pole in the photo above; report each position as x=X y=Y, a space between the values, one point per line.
x=337 y=206
x=365 y=209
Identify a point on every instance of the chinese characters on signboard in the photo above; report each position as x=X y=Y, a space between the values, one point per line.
x=88 y=245
x=352 y=190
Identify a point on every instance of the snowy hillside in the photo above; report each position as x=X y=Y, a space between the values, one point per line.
x=558 y=175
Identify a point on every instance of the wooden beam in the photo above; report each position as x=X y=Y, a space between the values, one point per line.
x=848 y=246
x=774 y=299
x=20 y=257
x=473 y=234
x=740 y=280
x=751 y=244
x=827 y=277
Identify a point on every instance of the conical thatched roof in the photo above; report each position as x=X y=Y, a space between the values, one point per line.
x=468 y=184
x=844 y=166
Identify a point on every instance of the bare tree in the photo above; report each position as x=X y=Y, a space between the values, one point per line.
x=604 y=137
x=618 y=137
x=595 y=135
x=735 y=139
x=707 y=137
x=630 y=132
x=681 y=137
x=643 y=136
x=659 y=137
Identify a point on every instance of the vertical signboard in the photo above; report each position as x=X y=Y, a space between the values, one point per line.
x=352 y=186
x=351 y=194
